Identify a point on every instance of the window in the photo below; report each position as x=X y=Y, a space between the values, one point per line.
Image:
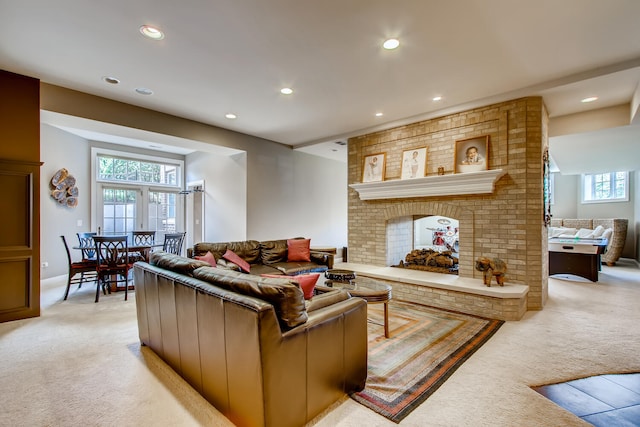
x=136 y=171
x=605 y=187
x=136 y=192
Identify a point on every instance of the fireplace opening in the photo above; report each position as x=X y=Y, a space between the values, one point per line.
x=427 y=243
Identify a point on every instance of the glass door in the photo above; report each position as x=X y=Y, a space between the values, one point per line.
x=127 y=209
x=164 y=212
x=120 y=210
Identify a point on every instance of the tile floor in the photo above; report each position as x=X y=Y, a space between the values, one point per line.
x=604 y=400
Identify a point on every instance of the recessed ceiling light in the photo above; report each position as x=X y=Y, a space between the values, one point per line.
x=590 y=99
x=286 y=91
x=144 y=91
x=231 y=116
x=437 y=98
x=379 y=114
x=151 y=32
x=111 y=80
x=391 y=44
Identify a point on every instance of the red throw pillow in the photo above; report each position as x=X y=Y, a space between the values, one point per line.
x=233 y=257
x=307 y=282
x=208 y=257
x=298 y=250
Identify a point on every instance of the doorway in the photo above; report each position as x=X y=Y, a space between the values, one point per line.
x=195 y=212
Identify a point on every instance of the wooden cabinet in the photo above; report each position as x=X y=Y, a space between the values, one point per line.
x=19 y=241
x=20 y=184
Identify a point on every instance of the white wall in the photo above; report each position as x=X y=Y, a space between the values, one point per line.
x=225 y=194
x=59 y=149
x=566 y=196
x=272 y=192
x=319 y=206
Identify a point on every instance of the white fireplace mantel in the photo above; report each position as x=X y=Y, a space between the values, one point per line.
x=481 y=182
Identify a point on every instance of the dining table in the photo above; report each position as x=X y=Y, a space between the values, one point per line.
x=142 y=250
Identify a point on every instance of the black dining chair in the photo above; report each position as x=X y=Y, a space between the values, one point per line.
x=88 y=245
x=86 y=268
x=141 y=238
x=173 y=242
x=113 y=263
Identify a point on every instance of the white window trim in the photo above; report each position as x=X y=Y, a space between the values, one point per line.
x=97 y=184
x=618 y=200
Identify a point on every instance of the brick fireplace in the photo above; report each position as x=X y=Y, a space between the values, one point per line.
x=505 y=221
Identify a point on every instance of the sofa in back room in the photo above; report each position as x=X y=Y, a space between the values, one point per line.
x=268 y=256
x=252 y=346
x=613 y=229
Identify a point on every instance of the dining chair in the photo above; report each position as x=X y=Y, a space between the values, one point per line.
x=173 y=242
x=141 y=238
x=86 y=269
x=113 y=263
x=88 y=245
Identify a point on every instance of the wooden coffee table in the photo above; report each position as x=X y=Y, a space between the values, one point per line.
x=371 y=290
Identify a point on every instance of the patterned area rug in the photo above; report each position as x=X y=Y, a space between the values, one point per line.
x=425 y=348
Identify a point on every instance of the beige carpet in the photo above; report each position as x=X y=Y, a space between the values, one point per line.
x=80 y=364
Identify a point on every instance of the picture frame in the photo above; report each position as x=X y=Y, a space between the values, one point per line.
x=373 y=167
x=414 y=163
x=472 y=154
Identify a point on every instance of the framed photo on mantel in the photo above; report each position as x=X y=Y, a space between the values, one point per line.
x=414 y=163
x=471 y=155
x=373 y=168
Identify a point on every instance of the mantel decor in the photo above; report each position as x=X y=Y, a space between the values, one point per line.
x=63 y=188
x=414 y=163
x=472 y=154
x=480 y=182
x=374 y=167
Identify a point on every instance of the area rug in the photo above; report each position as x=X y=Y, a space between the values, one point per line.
x=425 y=348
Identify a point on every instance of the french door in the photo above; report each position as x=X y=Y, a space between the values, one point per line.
x=120 y=210
x=128 y=208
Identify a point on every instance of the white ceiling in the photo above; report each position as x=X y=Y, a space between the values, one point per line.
x=223 y=56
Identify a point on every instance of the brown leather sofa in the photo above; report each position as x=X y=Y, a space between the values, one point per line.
x=266 y=257
x=252 y=346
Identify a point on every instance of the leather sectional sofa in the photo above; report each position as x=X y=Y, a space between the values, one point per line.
x=252 y=346
x=265 y=257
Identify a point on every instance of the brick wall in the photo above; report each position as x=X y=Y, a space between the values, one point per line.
x=507 y=224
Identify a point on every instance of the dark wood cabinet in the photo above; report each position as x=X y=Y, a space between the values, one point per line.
x=20 y=184
x=19 y=245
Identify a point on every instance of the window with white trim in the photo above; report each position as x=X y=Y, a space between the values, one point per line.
x=605 y=187
x=136 y=192
x=116 y=169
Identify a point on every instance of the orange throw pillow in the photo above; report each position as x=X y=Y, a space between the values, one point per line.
x=298 y=250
